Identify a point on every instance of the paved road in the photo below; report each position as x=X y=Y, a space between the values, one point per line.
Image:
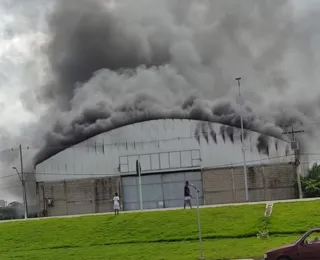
x=164 y=209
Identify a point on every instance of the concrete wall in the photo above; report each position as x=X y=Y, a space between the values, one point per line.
x=77 y=196
x=265 y=182
x=160 y=190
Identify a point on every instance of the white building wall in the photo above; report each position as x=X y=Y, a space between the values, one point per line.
x=100 y=155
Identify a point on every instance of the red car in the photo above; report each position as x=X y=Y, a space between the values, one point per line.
x=306 y=247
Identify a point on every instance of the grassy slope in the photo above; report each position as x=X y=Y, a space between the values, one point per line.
x=131 y=228
x=131 y=236
x=298 y=217
x=213 y=249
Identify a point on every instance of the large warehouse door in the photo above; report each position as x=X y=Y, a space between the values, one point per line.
x=159 y=190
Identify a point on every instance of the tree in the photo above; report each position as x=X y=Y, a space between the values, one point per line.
x=311 y=183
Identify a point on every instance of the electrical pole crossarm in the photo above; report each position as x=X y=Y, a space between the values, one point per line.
x=293 y=132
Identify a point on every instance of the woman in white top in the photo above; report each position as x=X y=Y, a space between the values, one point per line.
x=116 y=204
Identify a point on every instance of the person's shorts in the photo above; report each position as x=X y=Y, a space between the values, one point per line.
x=187 y=198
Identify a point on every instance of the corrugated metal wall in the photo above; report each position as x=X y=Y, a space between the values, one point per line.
x=159 y=190
x=162 y=145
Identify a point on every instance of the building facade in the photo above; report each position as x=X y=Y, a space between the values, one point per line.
x=161 y=145
x=84 y=178
x=165 y=190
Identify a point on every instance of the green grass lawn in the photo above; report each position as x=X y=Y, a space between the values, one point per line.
x=228 y=232
x=213 y=249
x=161 y=226
x=296 y=217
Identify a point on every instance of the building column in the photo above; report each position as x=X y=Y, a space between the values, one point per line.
x=233 y=186
x=94 y=205
x=66 y=196
x=264 y=183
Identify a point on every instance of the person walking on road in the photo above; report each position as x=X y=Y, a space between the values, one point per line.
x=116 y=204
x=187 y=195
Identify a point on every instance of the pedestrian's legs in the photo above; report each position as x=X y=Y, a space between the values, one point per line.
x=189 y=202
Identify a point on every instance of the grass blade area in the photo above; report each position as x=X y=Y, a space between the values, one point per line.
x=228 y=232
x=213 y=249
x=297 y=217
x=160 y=226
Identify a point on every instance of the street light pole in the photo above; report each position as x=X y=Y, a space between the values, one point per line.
x=199 y=224
x=241 y=101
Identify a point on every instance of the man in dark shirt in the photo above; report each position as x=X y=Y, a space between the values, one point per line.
x=187 y=195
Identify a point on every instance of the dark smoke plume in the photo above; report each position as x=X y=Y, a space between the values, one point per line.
x=197 y=134
x=213 y=133
x=145 y=60
x=87 y=38
x=263 y=144
x=119 y=67
x=230 y=132
x=222 y=133
x=205 y=131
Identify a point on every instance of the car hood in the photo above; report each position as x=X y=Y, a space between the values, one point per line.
x=281 y=248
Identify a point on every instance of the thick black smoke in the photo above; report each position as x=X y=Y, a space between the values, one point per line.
x=86 y=38
x=213 y=133
x=222 y=133
x=205 y=131
x=103 y=67
x=230 y=133
x=145 y=60
x=197 y=134
x=263 y=144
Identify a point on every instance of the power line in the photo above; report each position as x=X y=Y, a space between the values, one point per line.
x=10 y=187
x=8 y=176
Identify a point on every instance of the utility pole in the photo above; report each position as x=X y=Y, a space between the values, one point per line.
x=199 y=224
x=23 y=180
x=241 y=102
x=295 y=147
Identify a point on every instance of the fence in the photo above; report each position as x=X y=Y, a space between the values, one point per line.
x=265 y=182
x=77 y=196
x=217 y=186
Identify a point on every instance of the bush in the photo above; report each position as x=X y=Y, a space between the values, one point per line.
x=310 y=185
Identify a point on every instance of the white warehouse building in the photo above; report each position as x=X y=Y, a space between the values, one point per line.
x=84 y=177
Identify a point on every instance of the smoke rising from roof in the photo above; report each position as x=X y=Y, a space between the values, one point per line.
x=167 y=59
x=113 y=65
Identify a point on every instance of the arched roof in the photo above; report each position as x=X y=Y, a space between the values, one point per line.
x=56 y=144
